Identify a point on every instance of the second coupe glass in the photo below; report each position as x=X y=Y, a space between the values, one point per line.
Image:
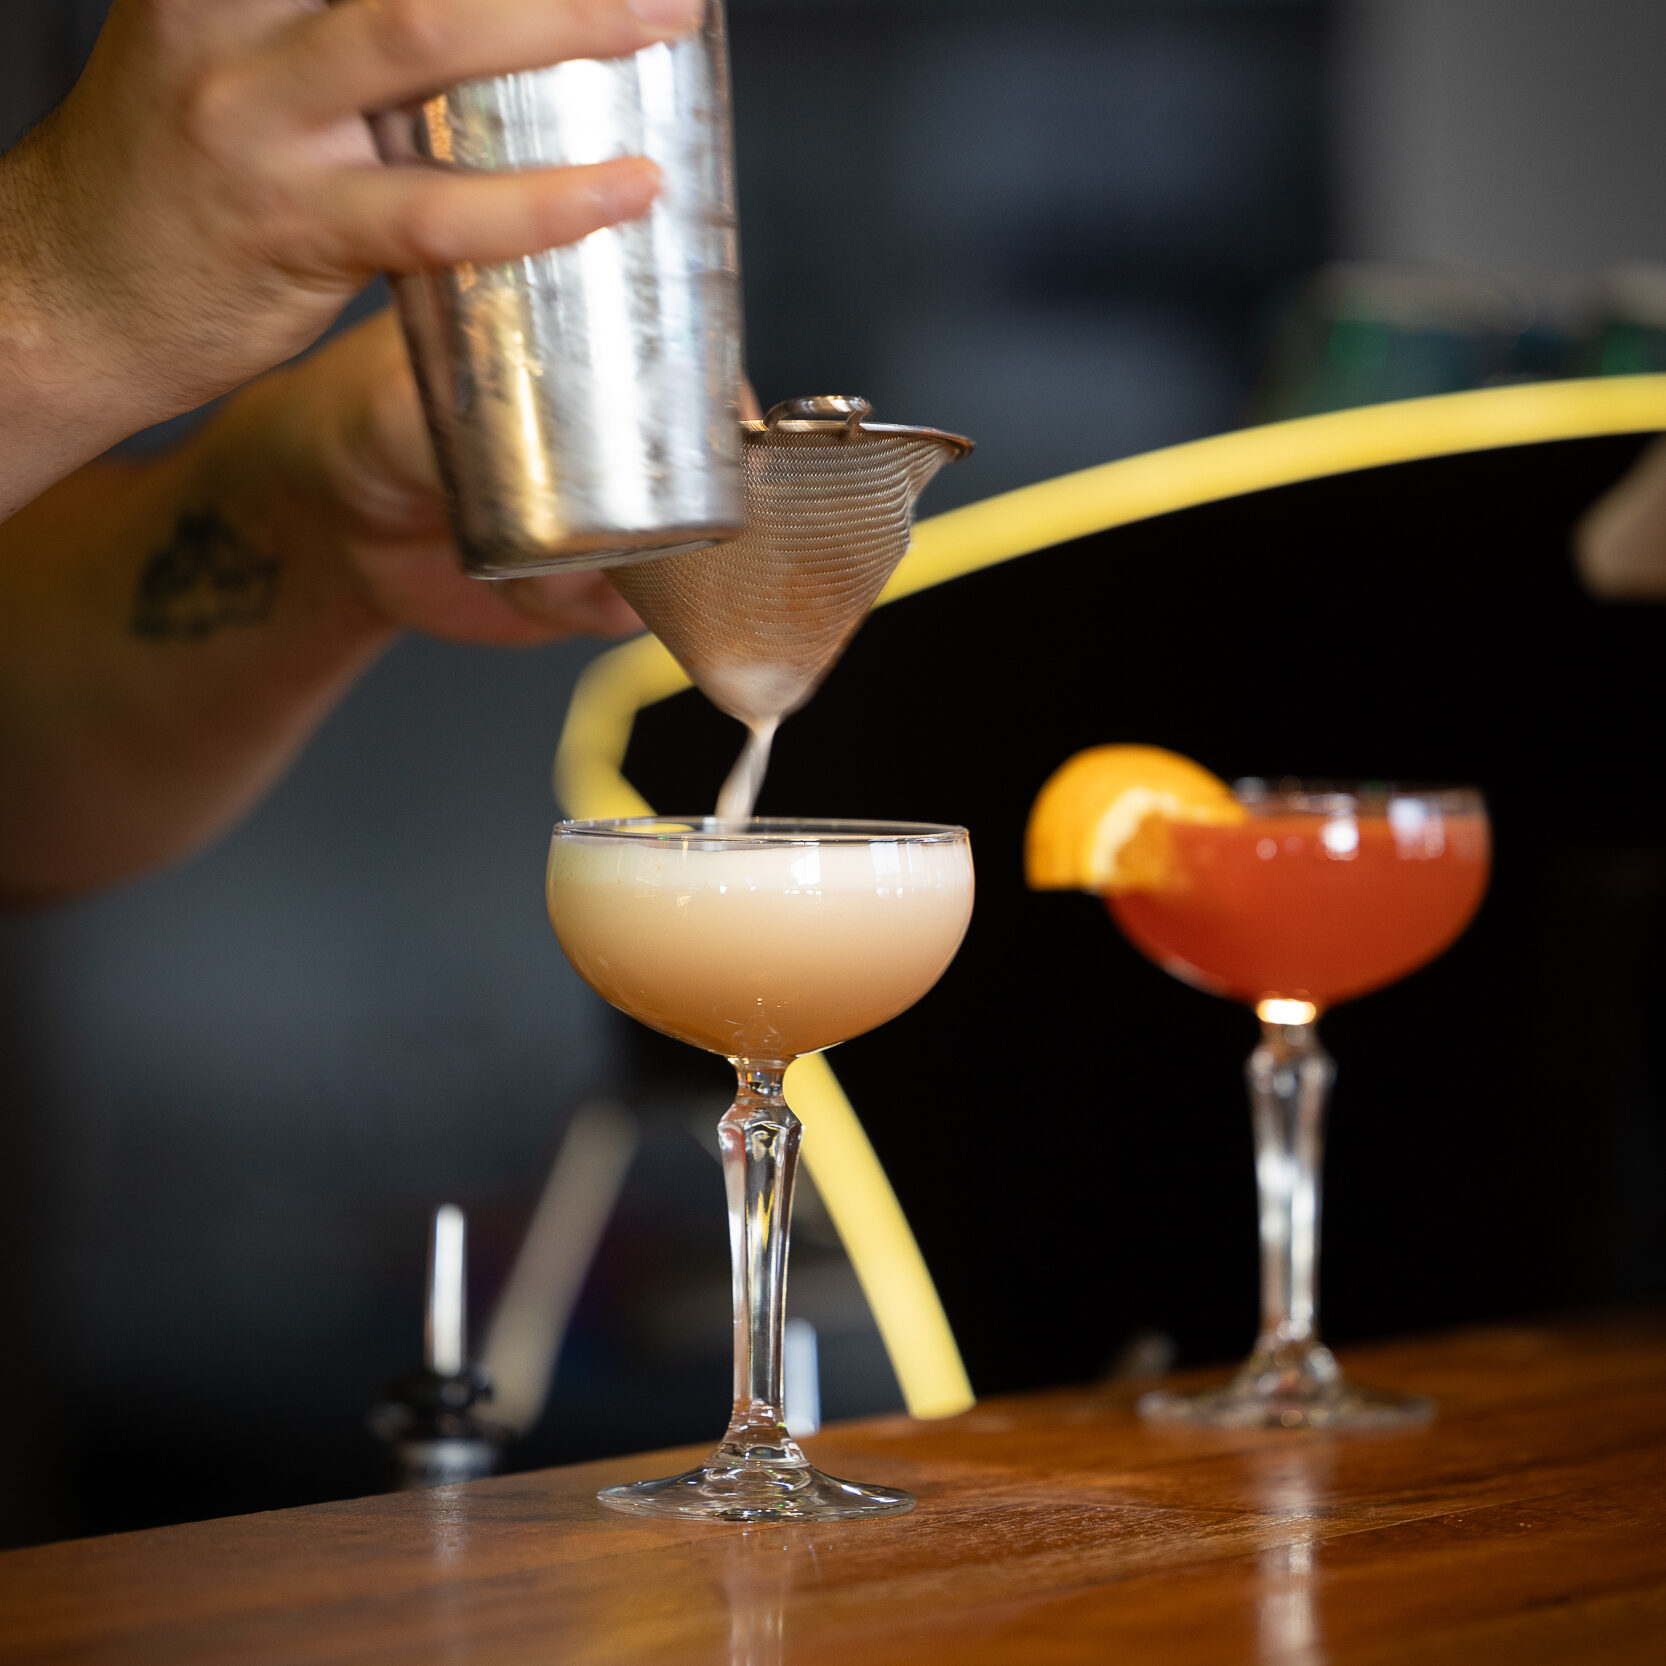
x=1314 y=896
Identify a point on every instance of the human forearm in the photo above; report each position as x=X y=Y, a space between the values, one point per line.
x=171 y=632
x=57 y=409
x=169 y=635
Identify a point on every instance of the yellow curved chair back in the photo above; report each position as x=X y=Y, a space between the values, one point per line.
x=590 y=782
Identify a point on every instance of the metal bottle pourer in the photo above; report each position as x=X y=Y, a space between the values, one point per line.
x=437 y=1420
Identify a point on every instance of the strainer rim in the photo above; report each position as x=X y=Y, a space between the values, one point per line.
x=757 y=430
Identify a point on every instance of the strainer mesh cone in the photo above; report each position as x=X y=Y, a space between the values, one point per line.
x=758 y=622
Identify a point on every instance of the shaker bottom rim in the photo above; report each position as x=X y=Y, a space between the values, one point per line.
x=585 y=552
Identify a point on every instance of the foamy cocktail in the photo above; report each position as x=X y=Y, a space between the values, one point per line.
x=760 y=940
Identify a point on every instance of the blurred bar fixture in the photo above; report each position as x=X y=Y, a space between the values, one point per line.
x=450 y=1420
x=435 y=1420
x=801 y=1374
x=524 y=1338
x=445 y=1337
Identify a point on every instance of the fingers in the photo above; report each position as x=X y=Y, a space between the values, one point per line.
x=366 y=55
x=571 y=604
x=410 y=219
x=364 y=422
x=368 y=469
x=421 y=586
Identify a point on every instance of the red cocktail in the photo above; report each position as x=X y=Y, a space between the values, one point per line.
x=1317 y=903
x=1304 y=899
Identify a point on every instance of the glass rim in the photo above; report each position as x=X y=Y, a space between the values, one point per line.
x=1329 y=794
x=763 y=830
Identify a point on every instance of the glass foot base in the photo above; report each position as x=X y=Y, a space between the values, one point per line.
x=756 y=1492
x=1341 y=1405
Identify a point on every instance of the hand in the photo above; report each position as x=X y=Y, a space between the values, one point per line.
x=209 y=196
x=172 y=630
x=1620 y=544
x=342 y=466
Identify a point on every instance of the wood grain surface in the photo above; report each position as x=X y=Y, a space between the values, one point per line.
x=1527 y=1524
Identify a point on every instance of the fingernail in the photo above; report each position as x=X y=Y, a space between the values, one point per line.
x=627 y=188
x=674 y=17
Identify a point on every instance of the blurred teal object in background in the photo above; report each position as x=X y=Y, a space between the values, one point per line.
x=1361 y=334
x=1629 y=338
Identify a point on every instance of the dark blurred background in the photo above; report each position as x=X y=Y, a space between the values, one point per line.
x=1076 y=230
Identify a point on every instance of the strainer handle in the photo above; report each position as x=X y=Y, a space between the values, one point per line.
x=819 y=412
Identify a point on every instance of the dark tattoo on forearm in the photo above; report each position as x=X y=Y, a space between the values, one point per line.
x=204 y=579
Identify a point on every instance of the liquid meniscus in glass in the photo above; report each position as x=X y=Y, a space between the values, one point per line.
x=1311 y=906
x=760 y=950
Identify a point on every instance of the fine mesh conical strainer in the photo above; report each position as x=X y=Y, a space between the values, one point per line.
x=758 y=622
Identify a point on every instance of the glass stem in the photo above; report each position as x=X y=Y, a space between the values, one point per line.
x=759 y=1135
x=1290 y=1076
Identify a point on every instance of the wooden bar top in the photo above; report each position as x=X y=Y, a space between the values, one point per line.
x=1527 y=1524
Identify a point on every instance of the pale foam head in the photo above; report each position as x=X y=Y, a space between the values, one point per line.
x=762 y=949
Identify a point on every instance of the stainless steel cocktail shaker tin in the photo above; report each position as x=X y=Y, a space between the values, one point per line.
x=584 y=401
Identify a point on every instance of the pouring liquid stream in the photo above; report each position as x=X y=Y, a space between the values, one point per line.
x=739 y=795
x=757 y=621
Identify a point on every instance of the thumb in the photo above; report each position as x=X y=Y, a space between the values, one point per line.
x=572 y=604
x=392 y=444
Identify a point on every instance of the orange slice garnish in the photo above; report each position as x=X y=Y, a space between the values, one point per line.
x=1099 y=823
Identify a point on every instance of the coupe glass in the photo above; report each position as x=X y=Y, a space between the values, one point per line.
x=1317 y=895
x=762 y=940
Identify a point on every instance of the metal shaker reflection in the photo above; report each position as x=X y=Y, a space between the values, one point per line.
x=584 y=402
